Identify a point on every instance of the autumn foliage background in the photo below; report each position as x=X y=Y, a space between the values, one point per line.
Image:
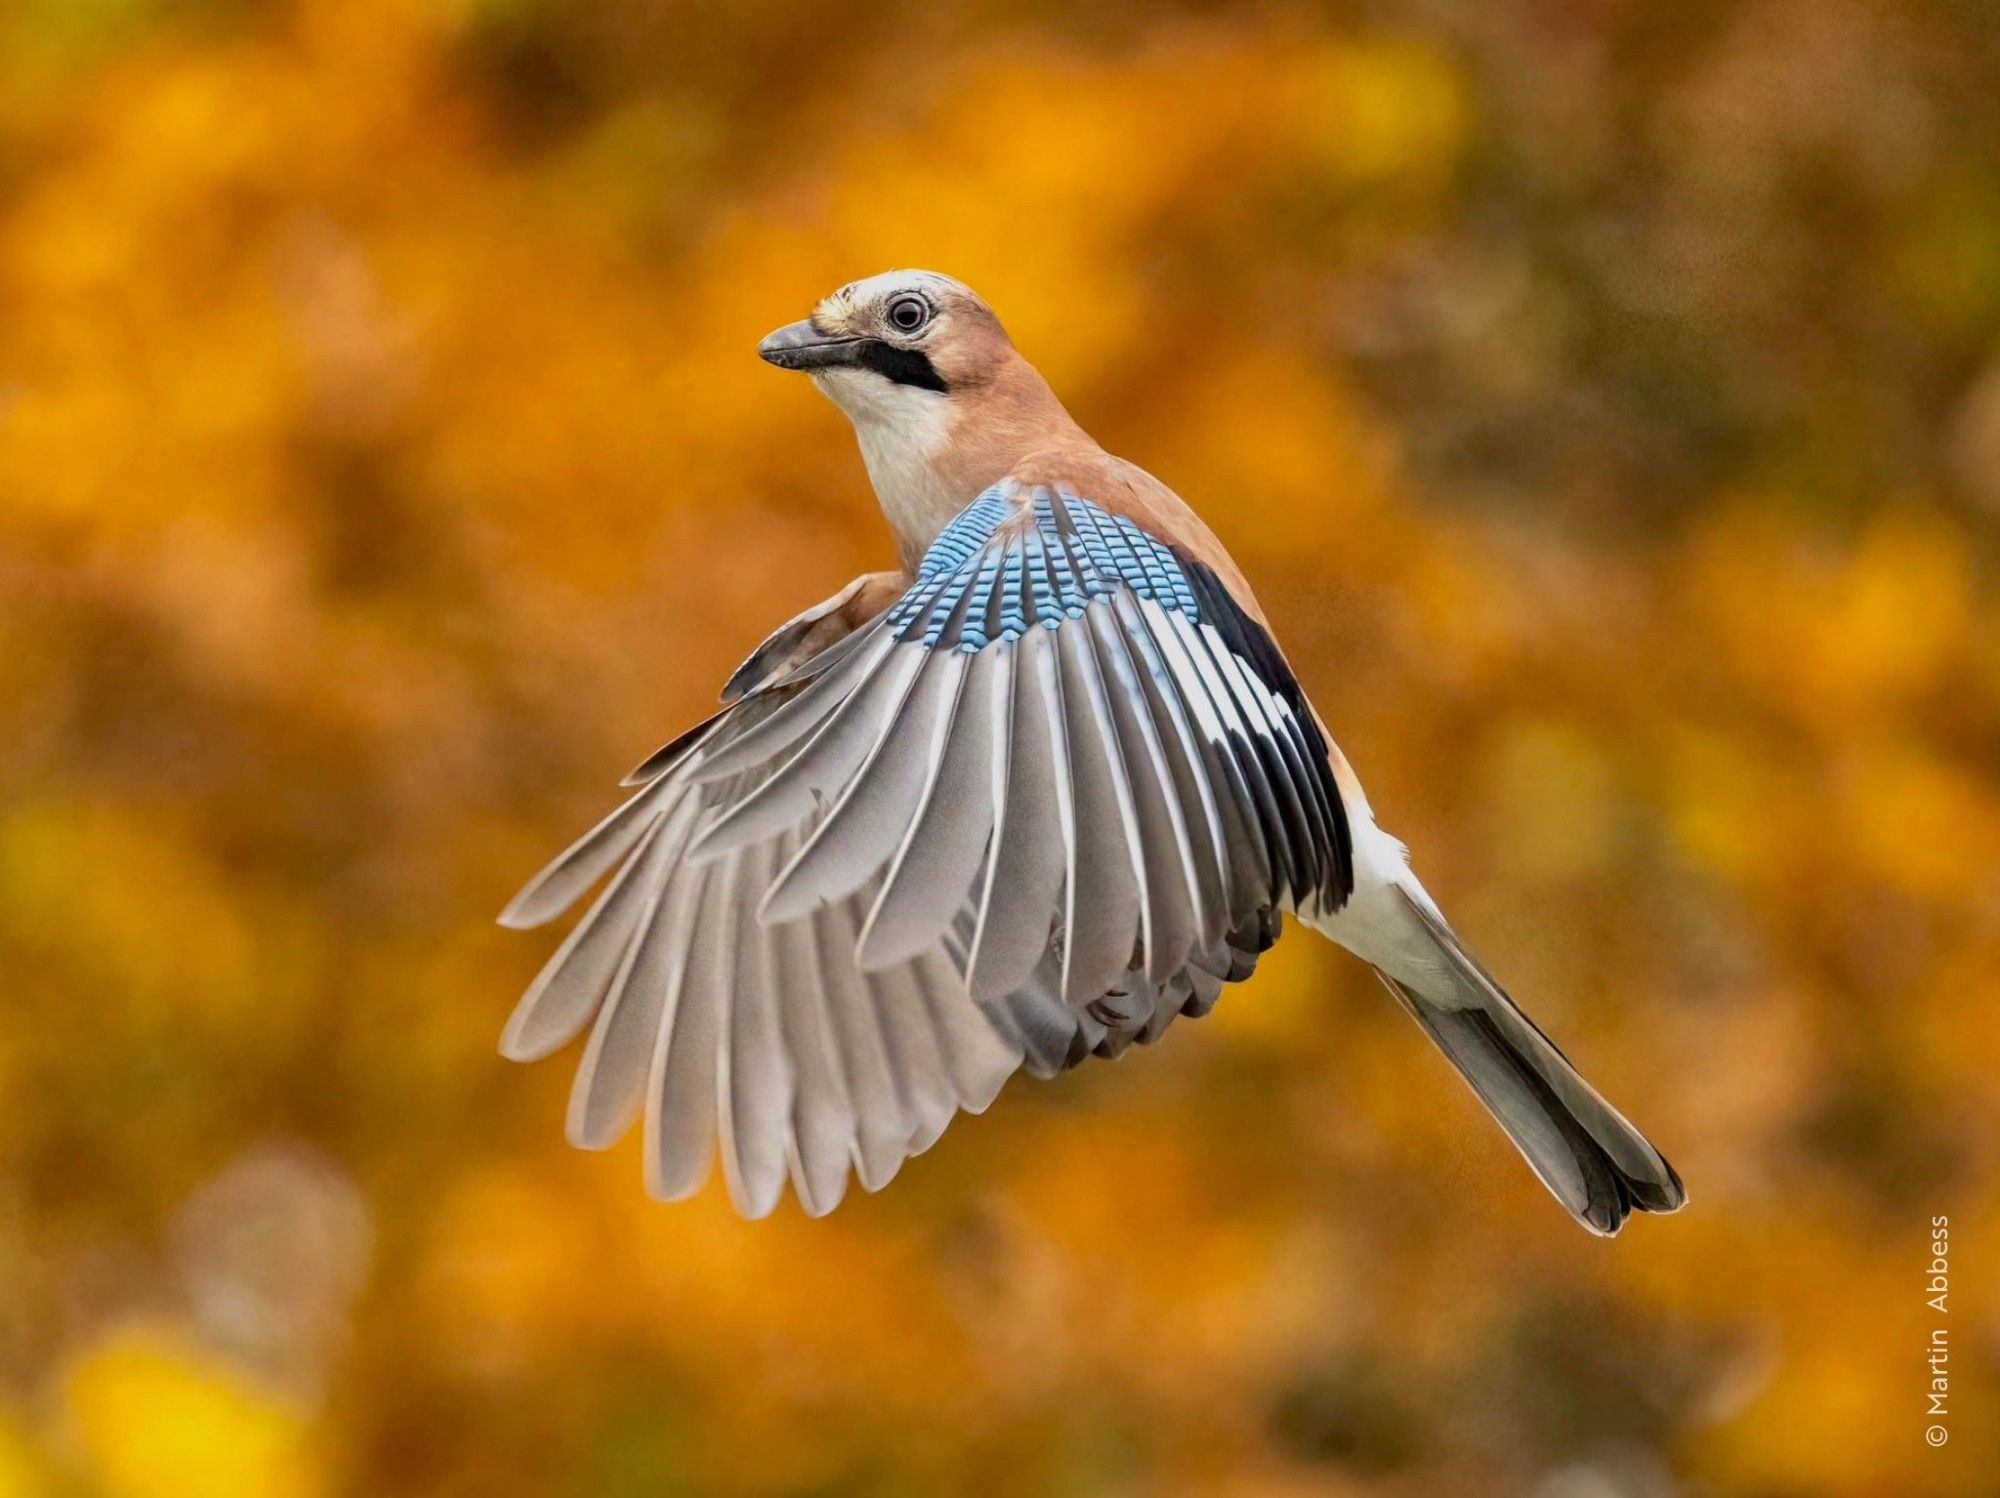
x=1605 y=397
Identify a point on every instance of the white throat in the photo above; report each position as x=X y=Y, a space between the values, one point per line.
x=903 y=432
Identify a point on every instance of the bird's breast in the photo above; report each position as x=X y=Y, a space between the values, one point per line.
x=906 y=461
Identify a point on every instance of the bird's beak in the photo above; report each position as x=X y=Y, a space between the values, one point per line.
x=800 y=345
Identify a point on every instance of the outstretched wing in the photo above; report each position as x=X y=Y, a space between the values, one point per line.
x=1055 y=795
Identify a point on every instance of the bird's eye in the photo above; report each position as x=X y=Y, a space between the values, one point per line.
x=908 y=313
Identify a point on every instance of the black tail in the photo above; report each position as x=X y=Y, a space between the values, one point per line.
x=1597 y=1165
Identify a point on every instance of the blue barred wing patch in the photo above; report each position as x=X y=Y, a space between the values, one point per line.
x=983 y=580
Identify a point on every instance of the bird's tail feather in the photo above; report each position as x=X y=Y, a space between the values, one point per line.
x=1595 y=1162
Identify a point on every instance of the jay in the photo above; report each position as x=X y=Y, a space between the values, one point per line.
x=1029 y=798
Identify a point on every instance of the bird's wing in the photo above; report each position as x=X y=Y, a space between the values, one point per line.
x=1065 y=767
x=1077 y=730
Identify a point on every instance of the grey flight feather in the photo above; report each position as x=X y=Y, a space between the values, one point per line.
x=930 y=878
x=1028 y=862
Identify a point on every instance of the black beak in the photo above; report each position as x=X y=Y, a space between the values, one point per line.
x=800 y=345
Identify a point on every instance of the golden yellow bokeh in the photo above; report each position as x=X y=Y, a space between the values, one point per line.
x=1603 y=397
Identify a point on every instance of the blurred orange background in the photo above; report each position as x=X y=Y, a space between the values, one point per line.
x=1605 y=398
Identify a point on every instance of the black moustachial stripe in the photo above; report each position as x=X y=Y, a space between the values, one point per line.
x=906 y=366
x=1253 y=645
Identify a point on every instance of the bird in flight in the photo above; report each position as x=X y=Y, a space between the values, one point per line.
x=1026 y=799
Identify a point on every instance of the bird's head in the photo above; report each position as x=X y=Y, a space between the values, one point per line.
x=941 y=403
x=892 y=347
